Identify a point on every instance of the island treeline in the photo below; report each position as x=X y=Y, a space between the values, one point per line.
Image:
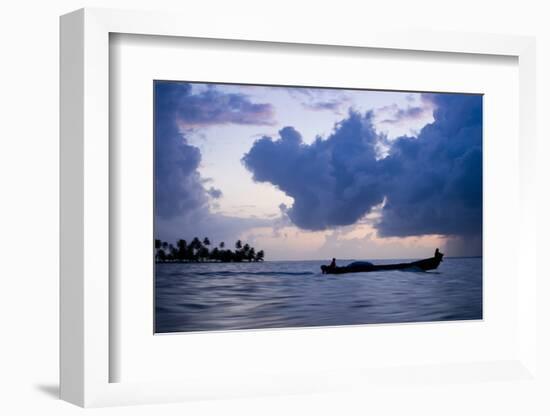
x=202 y=251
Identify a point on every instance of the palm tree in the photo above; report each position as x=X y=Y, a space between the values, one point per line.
x=195 y=247
x=161 y=255
x=251 y=254
x=173 y=252
x=206 y=241
x=222 y=244
x=225 y=256
x=215 y=254
x=203 y=253
x=245 y=250
x=238 y=245
x=260 y=255
x=182 y=250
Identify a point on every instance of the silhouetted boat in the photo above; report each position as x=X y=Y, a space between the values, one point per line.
x=364 y=266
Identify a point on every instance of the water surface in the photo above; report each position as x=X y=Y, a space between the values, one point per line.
x=225 y=296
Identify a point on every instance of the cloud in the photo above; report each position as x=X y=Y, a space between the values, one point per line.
x=320 y=99
x=396 y=115
x=397 y=120
x=179 y=188
x=431 y=184
x=213 y=107
x=178 y=185
x=402 y=115
x=333 y=182
x=214 y=193
x=332 y=105
x=436 y=182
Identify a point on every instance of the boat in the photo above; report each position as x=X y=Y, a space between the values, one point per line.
x=431 y=263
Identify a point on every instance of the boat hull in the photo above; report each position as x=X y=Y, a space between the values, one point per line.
x=431 y=263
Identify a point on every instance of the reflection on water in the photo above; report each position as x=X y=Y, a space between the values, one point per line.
x=215 y=296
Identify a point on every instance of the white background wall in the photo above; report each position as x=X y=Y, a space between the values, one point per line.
x=29 y=185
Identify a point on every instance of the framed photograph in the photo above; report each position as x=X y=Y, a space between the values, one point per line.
x=271 y=213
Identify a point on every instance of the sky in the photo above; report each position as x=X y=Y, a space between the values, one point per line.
x=314 y=173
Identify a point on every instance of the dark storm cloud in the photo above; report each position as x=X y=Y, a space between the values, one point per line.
x=333 y=182
x=431 y=183
x=179 y=187
x=436 y=184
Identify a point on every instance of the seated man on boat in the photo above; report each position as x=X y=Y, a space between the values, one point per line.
x=438 y=255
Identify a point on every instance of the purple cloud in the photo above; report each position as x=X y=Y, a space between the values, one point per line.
x=320 y=99
x=332 y=105
x=437 y=186
x=179 y=188
x=333 y=182
x=431 y=184
x=400 y=116
x=214 y=193
x=213 y=107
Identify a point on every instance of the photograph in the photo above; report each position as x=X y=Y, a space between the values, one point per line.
x=280 y=206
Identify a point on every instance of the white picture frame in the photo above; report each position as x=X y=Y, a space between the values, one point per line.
x=85 y=219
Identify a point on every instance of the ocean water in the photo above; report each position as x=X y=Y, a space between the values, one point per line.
x=216 y=296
